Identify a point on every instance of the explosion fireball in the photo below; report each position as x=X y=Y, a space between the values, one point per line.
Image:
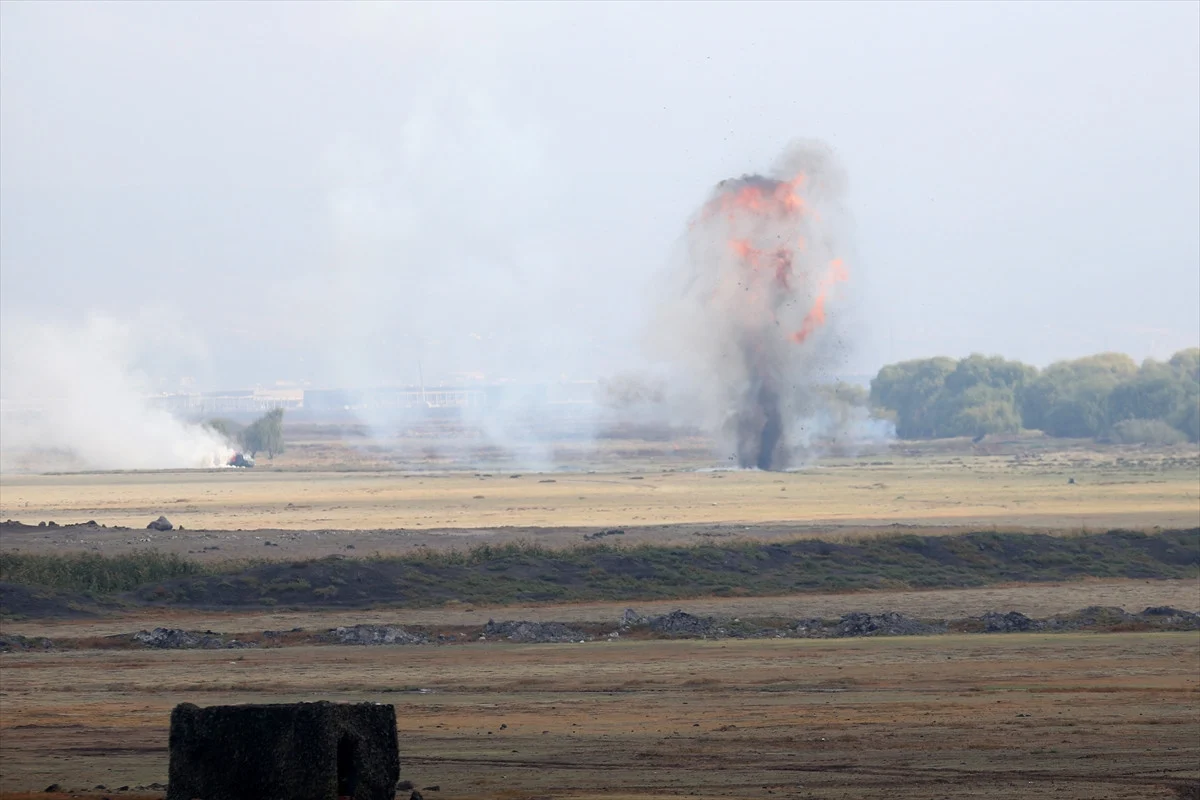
x=760 y=271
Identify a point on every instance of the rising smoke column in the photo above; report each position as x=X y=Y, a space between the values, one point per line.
x=760 y=270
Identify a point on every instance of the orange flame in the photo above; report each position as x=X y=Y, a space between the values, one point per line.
x=816 y=315
x=769 y=269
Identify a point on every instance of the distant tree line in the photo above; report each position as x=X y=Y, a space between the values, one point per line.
x=1106 y=396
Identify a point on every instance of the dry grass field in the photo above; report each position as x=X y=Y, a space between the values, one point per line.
x=1015 y=490
x=1065 y=716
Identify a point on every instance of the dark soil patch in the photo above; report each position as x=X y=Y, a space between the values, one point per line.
x=18 y=601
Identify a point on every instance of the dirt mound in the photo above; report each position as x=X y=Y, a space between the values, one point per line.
x=374 y=635
x=1171 y=615
x=1091 y=617
x=178 y=639
x=1012 y=622
x=861 y=623
x=160 y=524
x=681 y=623
x=889 y=623
x=541 y=632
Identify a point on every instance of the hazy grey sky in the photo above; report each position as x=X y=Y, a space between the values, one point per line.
x=332 y=191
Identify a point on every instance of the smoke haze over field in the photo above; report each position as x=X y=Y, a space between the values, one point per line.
x=345 y=194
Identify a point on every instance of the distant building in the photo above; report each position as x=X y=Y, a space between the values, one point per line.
x=227 y=402
x=318 y=401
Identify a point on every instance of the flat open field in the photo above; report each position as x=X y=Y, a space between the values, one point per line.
x=1009 y=491
x=1069 y=716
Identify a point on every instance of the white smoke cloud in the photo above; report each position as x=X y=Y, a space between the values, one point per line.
x=71 y=398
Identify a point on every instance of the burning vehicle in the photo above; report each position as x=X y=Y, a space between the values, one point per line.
x=240 y=460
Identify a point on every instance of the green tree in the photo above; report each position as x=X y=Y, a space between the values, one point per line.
x=940 y=397
x=993 y=371
x=1187 y=364
x=909 y=389
x=1146 y=431
x=1190 y=424
x=1086 y=397
x=265 y=434
x=1148 y=396
x=1070 y=398
x=227 y=428
x=976 y=411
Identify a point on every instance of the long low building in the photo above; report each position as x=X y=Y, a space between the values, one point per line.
x=339 y=402
x=342 y=400
x=232 y=402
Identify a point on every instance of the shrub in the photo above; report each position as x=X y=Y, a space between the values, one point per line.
x=1147 y=431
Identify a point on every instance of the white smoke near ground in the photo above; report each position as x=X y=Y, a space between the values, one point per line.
x=70 y=398
x=749 y=327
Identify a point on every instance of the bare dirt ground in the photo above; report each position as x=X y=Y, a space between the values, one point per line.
x=1070 y=716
